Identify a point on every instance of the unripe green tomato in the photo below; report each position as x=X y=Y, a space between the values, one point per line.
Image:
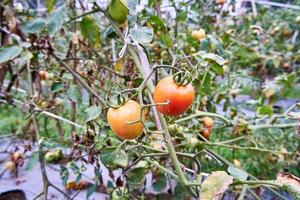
x=58 y=154
x=50 y=157
x=118 y=11
x=10 y=166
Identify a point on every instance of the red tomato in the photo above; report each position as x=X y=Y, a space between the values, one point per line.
x=119 y=120
x=179 y=97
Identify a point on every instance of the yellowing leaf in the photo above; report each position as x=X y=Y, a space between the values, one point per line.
x=119 y=65
x=215 y=185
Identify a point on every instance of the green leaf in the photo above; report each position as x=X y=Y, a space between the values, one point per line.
x=90 y=30
x=214 y=57
x=56 y=20
x=113 y=157
x=265 y=110
x=179 y=192
x=64 y=174
x=57 y=86
x=34 y=26
x=142 y=35
x=237 y=173
x=215 y=185
x=9 y=53
x=160 y=183
x=121 y=159
x=207 y=82
x=137 y=177
x=159 y=25
x=50 y=5
x=34 y=158
x=91 y=190
x=73 y=93
x=93 y=112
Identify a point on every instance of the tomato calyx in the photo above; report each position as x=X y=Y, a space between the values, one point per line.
x=182 y=78
x=115 y=99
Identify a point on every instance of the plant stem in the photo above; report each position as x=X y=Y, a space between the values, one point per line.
x=262 y=126
x=202 y=114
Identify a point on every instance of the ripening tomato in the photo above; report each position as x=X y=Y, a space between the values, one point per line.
x=179 y=98
x=119 y=120
x=44 y=75
x=208 y=122
x=198 y=34
x=206 y=133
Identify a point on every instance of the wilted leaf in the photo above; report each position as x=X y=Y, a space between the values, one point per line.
x=90 y=30
x=237 y=173
x=9 y=53
x=142 y=35
x=290 y=182
x=93 y=112
x=215 y=185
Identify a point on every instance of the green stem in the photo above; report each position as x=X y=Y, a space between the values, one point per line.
x=245 y=148
x=202 y=114
x=262 y=126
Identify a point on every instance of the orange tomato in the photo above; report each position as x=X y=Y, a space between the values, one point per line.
x=208 y=122
x=43 y=75
x=206 y=133
x=119 y=120
x=179 y=98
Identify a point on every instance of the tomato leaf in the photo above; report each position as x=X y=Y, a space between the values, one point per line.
x=90 y=31
x=34 y=26
x=215 y=185
x=91 y=190
x=34 y=158
x=56 y=20
x=179 y=192
x=136 y=177
x=50 y=5
x=142 y=35
x=9 y=53
x=93 y=113
x=160 y=183
x=237 y=173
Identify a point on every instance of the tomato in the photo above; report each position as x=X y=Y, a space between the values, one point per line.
x=119 y=120
x=220 y=2
x=44 y=75
x=17 y=155
x=208 y=122
x=179 y=97
x=206 y=133
x=73 y=185
x=118 y=11
x=10 y=166
x=198 y=34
